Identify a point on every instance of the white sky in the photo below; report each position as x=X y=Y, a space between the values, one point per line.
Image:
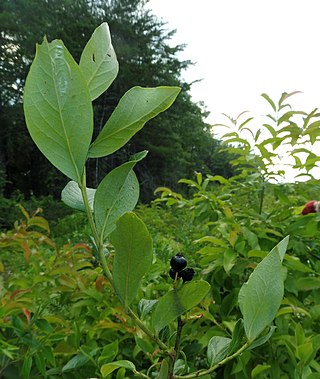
x=242 y=48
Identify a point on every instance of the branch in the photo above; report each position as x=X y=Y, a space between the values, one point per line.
x=199 y=373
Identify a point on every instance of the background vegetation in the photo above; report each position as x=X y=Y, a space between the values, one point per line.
x=61 y=319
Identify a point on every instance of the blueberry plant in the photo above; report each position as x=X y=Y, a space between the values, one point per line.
x=59 y=115
x=234 y=222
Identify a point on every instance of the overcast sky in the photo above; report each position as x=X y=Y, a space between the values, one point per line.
x=243 y=48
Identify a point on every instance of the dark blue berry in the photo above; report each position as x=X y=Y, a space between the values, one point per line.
x=187 y=274
x=178 y=262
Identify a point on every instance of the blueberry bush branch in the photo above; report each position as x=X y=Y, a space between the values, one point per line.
x=209 y=371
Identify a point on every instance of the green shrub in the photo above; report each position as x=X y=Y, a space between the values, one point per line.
x=53 y=209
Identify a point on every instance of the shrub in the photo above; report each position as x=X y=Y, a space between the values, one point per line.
x=113 y=306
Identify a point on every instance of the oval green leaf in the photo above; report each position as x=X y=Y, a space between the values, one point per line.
x=98 y=61
x=76 y=362
x=58 y=109
x=261 y=296
x=136 y=107
x=176 y=302
x=133 y=255
x=117 y=194
x=217 y=349
x=71 y=196
x=109 y=352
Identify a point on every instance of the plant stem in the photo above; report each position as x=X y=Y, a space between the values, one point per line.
x=199 y=373
x=92 y=224
x=262 y=196
x=99 y=245
x=175 y=353
x=141 y=374
x=146 y=330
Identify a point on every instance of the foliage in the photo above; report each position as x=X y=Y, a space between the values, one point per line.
x=240 y=219
x=121 y=257
x=58 y=316
x=61 y=319
x=54 y=210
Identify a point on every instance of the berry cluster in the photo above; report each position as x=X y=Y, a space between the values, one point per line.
x=178 y=269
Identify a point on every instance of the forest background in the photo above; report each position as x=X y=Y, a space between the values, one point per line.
x=179 y=142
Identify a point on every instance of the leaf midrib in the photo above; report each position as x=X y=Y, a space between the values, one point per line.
x=69 y=149
x=128 y=125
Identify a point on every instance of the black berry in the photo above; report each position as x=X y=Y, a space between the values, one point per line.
x=178 y=262
x=187 y=274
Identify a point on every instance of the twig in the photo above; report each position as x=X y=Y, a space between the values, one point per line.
x=175 y=353
x=199 y=373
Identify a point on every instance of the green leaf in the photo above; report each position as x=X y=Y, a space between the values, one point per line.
x=144 y=345
x=264 y=95
x=145 y=307
x=109 y=352
x=117 y=194
x=58 y=109
x=75 y=362
x=271 y=130
x=163 y=373
x=71 y=196
x=229 y=258
x=286 y=116
x=213 y=240
x=133 y=255
x=237 y=337
x=258 y=370
x=176 y=302
x=263 y=339
x=26 y=367
x=285 y=96
x=98 y=61
x=108 y=368
x=47 y=352
x=217 y=349
x=219 y=179
x=238 y=141
x=308 y=283
x=135 y=108
x=294 y=264
x=180 y=367
x=44 y=325
x=252 y=238
x=305 y=352
x=121 y=374
x=40 y=363
x=261 y=296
